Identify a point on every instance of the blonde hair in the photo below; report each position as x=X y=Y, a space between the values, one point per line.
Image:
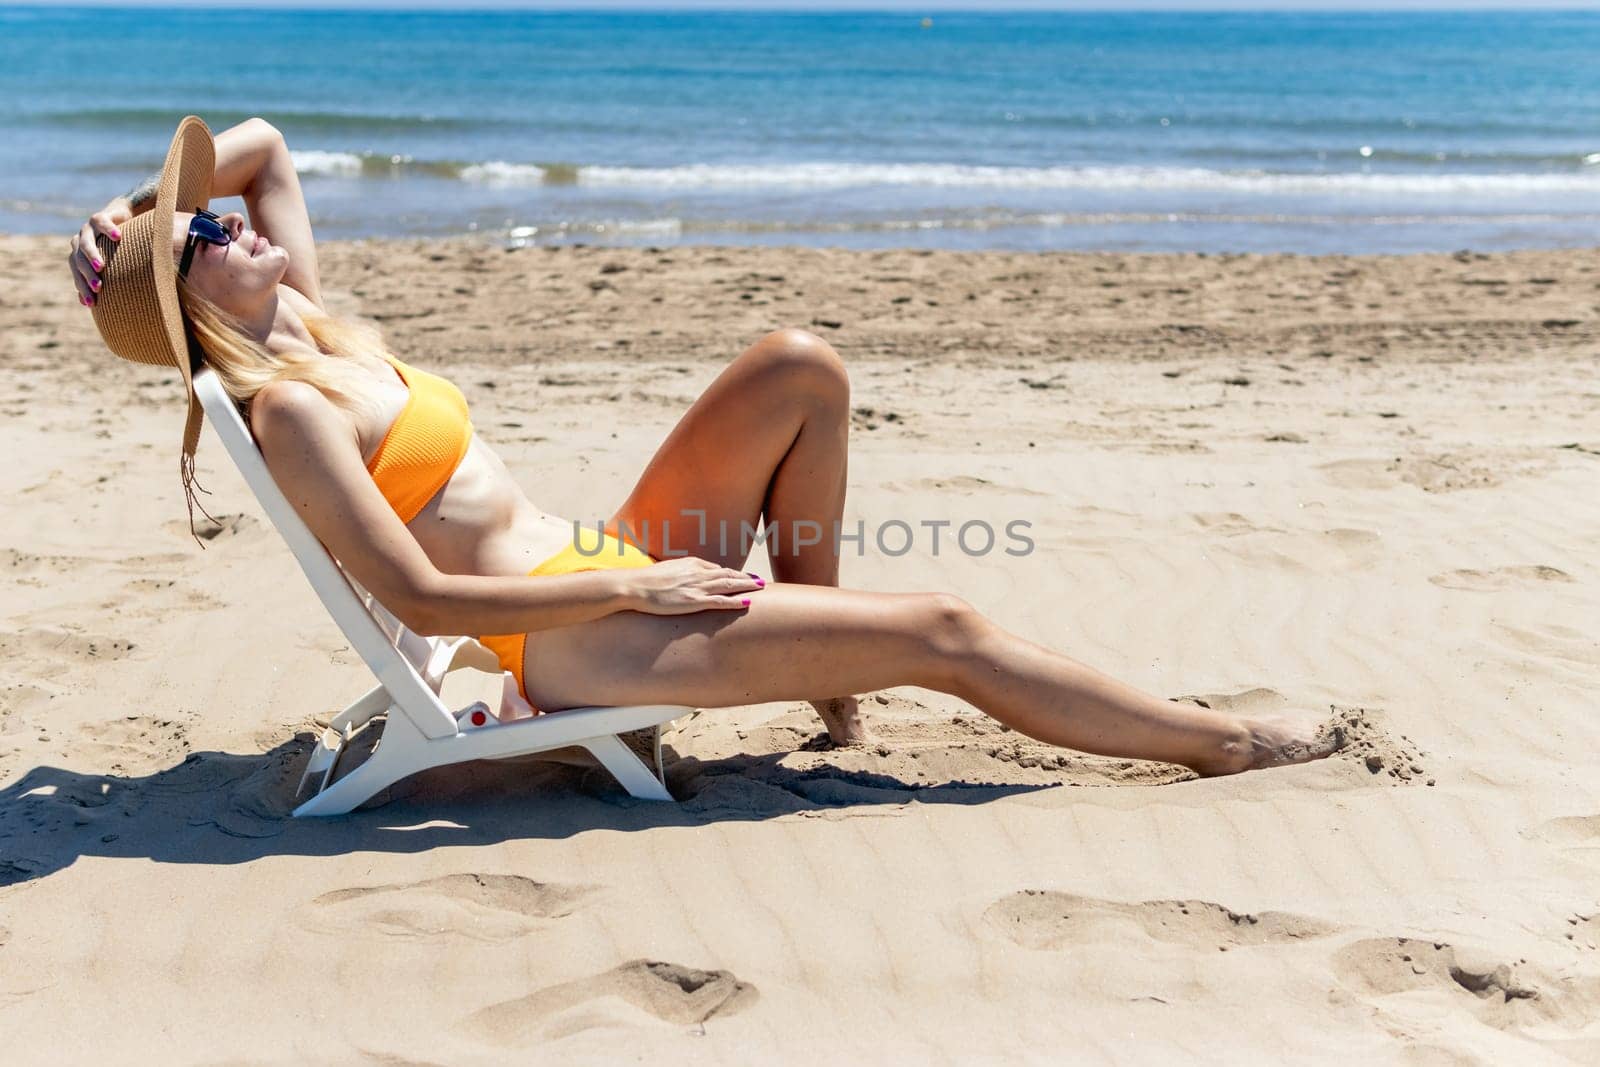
x=244 y=366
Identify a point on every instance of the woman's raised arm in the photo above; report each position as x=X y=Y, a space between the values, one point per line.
x=253 y=162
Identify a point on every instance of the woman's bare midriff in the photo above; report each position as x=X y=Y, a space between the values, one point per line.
x=481 y=522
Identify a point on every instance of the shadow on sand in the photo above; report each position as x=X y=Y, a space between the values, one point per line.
x=222 y=807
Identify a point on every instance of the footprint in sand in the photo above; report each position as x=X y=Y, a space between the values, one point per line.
x=1486 y=581
x=1444 y=472
x=138 y=732
x=1407 y=980
x=482 y=907
x=151 y=597
x=222 y=529
x=140 y=739
x=669 y=992
x=19 y=701
x=52 y=651
x=1040 y=919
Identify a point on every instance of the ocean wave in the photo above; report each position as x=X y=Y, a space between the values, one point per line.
x=936 y=175
x=1581 y=175
x=318 y=163
x=498 y=173
x=333 y=164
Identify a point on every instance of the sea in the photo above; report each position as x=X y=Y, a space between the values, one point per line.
x=1241 y=132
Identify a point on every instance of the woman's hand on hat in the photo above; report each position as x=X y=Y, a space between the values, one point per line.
x=85 y=256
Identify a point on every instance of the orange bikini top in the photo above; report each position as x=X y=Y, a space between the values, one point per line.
x=425 y=444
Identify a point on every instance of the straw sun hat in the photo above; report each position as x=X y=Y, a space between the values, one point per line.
x=136 y=309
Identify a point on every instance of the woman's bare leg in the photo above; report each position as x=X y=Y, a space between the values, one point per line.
x=795 y=639
x=768 y=438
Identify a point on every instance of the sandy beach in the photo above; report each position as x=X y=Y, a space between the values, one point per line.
x=1365 y=484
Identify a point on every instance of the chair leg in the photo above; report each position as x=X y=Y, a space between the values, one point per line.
x=374 y=701
x=397 y=755
x=627 y=768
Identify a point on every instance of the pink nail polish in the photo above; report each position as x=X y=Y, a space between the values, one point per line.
x=97 y=264
x=116 y=235
x=745 y=601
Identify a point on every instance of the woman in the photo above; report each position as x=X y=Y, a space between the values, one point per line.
x=380 y=460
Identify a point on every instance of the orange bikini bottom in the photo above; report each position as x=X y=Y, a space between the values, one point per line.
x=573 y=559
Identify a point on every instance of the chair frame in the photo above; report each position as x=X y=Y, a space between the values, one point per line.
x=419 y=730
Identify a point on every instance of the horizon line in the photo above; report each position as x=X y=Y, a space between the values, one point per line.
x=934 y=7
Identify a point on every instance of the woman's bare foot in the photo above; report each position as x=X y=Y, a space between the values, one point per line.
x=1276 y=740
x=842 y=717
x=1294 y=737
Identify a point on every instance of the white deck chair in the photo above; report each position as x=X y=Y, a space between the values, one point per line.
x=419 y=731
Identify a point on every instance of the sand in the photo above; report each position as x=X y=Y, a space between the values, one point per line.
x=1366 y=484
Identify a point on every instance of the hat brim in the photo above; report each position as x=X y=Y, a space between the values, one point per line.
x=185 y=185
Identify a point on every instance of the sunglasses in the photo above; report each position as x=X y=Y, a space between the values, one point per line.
x=207 y=227
x=203 y=227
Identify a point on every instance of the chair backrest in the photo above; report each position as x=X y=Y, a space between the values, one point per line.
x=395 y=654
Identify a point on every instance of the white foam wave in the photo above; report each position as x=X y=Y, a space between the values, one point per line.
x=834 y=175
x=499 y=173
x=332 y=164
x=948 y=175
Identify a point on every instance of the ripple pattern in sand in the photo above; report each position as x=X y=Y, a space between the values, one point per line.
x=483 y=907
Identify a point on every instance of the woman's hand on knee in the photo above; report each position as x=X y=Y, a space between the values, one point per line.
x=686 y=585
